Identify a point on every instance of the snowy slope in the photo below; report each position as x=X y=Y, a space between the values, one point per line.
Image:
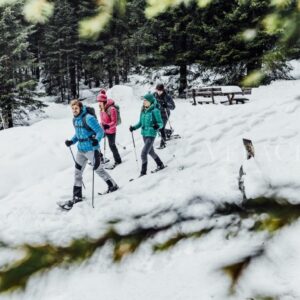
x=37 y=171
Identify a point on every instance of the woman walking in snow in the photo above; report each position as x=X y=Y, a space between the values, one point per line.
x=150 y=122
x=109 y=120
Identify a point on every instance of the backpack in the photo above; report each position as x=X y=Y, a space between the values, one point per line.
x=89 y=111
x=119 y=121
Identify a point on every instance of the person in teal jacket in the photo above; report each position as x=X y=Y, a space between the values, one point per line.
x=87 y=138
x=150 y=122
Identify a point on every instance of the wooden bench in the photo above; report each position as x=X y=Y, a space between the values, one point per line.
x=211 y=92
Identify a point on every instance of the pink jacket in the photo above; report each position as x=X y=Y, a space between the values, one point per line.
x=109 y=116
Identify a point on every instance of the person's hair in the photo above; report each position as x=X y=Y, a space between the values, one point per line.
x=160 y=87
x=76 y=102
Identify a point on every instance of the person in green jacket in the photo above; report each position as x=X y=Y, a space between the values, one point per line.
x=150 y=122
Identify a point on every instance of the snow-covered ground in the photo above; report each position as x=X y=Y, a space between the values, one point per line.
x=37 y=171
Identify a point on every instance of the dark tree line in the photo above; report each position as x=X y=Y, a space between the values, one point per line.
x=182 y=36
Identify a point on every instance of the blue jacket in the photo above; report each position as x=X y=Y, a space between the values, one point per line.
x=82 y=135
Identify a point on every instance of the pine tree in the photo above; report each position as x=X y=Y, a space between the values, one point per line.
x=168 y=40
x=16 y=79
x=60 y=52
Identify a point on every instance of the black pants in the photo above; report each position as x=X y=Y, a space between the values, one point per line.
x=163 y=130
x=112 y=145
x=148 y=149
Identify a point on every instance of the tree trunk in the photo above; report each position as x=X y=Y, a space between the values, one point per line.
x=110 y=78
x=125 y=75
x=117 y=78
x=85 y=77
x=61 y=79
x=37 y=73
x=72 y=74
x=78 y=76
x=182 y=79
x=8 y=117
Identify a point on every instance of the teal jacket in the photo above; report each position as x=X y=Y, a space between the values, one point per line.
x=148 y=118
x=82 y=135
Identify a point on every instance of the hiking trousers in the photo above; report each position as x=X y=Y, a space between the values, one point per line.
x=112 y=145
x=81 y=160
x=148 y=149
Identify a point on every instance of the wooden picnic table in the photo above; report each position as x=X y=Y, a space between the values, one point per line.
x=232 y=93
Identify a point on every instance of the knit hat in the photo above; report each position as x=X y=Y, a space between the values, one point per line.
x=102 y=96
x=149 y=97
x=160 y=87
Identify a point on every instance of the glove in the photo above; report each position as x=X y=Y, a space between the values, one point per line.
x=155 y=126
x=106 y=126
x=96 y=160
x=68 y=143
x=131 y=128
x=94 y=142
x=164 y=105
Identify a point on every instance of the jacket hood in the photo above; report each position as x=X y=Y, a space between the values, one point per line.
x=109 y=103
x=149 y=97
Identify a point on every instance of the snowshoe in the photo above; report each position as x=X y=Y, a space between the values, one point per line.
x=174 y=137
x=103 y=161
x=159 y=168
x=66 y=205
x=111 y=167
x=162 y=145
x=110 y=190
x=141 y=175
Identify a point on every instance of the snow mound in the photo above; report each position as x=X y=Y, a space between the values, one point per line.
x=121 y=94
x=37 y=171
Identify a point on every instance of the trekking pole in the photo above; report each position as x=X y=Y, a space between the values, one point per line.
x=93 y=182
x=134 y=149
x=75 y=163
x=104 y=148
x=168 y=119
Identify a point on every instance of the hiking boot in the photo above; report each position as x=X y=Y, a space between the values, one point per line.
x=162 y=144
x=169 y=132
x=77 y=194
x=111 y=187
x=67 y=205
x=117 y=163
x=158 y=168
x=77 y=199
x=159 y=163
x=144 y=169
x=70 y=203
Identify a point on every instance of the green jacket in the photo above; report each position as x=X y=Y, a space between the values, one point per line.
x=148 y=118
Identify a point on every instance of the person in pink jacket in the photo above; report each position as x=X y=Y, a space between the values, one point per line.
x=109 y=119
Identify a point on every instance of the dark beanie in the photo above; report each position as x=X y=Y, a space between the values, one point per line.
x=160 y=87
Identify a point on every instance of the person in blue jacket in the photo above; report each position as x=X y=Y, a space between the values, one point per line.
x=88 y=134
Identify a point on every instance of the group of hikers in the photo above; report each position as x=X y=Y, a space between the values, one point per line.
x=154 y=116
